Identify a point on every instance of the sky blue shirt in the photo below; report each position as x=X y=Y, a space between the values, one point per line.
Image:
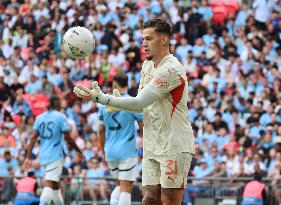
x=32 y=88
x=51 y=125
x=120 y=143
x=265 y=119
x=209 y=39
x=254 y=132
x=92 y=173
x=206 y=12
x=4 y=166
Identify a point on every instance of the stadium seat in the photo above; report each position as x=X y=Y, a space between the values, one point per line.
x=231 y=7
x=37 y=102
x=219 y=15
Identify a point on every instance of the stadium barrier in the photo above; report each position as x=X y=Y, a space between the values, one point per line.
x=199 y=191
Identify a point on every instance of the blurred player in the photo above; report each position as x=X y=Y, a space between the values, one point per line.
x=167 y=135
x=118 y=140
x=50 y=127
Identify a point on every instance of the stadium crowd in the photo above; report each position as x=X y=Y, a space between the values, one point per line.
x=231 y=52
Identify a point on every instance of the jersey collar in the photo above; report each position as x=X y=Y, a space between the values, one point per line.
x=164 y=59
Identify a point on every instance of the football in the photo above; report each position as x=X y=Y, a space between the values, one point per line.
x=78 y=42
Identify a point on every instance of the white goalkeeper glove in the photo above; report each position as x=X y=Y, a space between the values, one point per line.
x=95 y=94
x=116 y=93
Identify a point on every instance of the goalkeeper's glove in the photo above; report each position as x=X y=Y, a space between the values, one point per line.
x=95 y=94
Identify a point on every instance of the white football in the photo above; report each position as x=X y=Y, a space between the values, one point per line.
x=78 y=42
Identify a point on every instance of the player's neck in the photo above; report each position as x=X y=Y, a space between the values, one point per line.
x=156 y=59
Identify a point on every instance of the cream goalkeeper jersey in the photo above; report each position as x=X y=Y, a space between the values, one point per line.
x=167 y=129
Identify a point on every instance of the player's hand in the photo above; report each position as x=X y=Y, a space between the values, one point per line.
x=87 y=94
x=27 y=164
x=116 y=93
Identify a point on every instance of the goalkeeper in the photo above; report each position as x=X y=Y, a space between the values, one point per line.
x=168 y=139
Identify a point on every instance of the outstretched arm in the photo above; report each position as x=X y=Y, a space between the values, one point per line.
x=144 y=98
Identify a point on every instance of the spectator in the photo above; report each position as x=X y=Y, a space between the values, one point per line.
x=132 y=54
x=21 y=106
x=262 y=10
x=133 y=90
x=47 y=88
x=8 y=164
x=96 y=186
x=26 y=190
x=254 y=192
x=8 y=190
x=219 y=123
x=33 y=86
x=6 y=139
x=219 y=170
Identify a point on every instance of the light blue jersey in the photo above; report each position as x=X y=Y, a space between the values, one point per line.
x=120 y=141
x=51 y=125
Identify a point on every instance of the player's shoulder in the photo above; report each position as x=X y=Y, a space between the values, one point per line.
x=171 y=66
x=56 y=115
x=41 y=116
x=60 y=115
x=172 y=62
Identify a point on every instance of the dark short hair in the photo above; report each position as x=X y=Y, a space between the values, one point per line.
x=30 y=173
x=7 y=152
x=257 y=176
x=53 y=100
x=161 y=25
x=121 y=79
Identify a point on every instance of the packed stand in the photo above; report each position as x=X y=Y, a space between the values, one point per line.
x=231 y=53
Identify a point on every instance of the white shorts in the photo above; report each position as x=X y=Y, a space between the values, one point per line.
x=53 y=171
x=124 y=170
x=170 y=171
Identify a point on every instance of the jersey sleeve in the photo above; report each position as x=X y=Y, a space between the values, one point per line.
x=64 y=124
x=138 y=116
x=164 y=81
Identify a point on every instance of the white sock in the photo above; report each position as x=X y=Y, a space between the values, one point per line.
x=57 y=197
x=115 y=195
x=125 y=198
x=46 y=196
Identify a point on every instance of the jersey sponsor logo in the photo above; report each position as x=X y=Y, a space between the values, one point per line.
x=172 y=166
x=158 y=81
